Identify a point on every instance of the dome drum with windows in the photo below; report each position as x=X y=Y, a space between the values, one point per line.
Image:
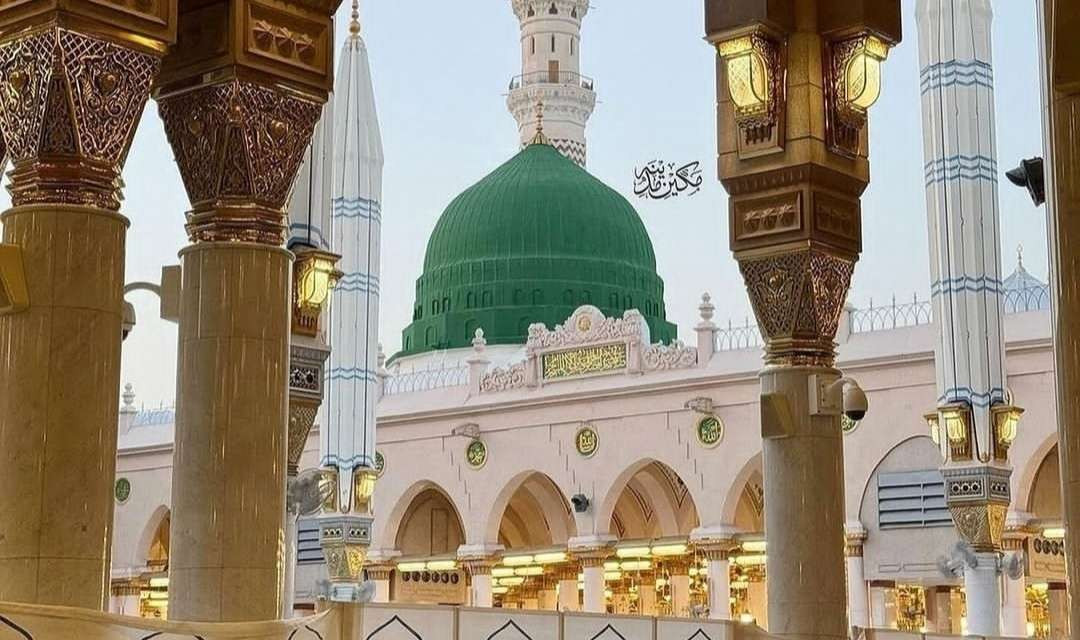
x=529 y=243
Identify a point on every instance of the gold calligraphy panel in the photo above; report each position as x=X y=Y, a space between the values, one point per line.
x=576 y=362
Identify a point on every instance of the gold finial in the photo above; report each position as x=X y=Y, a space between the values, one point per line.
x=540 y=138
x=354 y=20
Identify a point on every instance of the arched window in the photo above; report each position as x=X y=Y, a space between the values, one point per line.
x=486 y=300
x=429 y=336
x=568 y=297
x=571 y=46
x=534 y=45
x=470 y=300
x=434 y=307
x=537 y=297
x=553 y=44
x=586 y=297
x=519 y=296
x=446 y=305
x=628 y=302
x=573 y=12
x=531 y=13
x=553 y=10
x=470 y=329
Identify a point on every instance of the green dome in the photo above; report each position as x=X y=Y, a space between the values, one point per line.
x=531 y=242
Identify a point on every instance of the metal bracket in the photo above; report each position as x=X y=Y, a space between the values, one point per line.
x=825 y=396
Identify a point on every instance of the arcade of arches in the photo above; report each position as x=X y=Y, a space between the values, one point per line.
x=649 y=565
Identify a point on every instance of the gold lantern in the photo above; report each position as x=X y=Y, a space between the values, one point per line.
x=755 y=80
x=957 y=427
x=314 y=275
x=853 y=85
x=1006 y=420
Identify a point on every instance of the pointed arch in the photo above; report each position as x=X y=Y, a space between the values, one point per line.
x=534 y=510
x=149 y=534
x=421 y=493
x=736 y=492
x=660 y=492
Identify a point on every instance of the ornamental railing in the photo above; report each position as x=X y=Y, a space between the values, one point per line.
x=895 y=315
x=426 y=379
x=735 y=338
x=565 y=78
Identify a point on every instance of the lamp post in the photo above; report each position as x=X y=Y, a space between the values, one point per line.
x=795 y=82
x=239 y=96
x=74 y=80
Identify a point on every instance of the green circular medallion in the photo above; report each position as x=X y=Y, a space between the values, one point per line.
x=380 y=464
x=476 y=454
x=710 y=430
x=847 y=425
x=587 y=441
x=122 y=491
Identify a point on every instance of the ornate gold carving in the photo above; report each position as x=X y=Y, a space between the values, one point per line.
x=980 y=525
x=239 y=147
x=301 y=420
x=282 y=38
x=344 y=562
x=577 y=362
x=69 y=106
x=768 y=216
x=797 y=298
x=838 y=217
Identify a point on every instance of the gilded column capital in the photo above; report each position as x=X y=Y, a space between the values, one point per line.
x=239 y=145
x=678 y=566
x=479 y=566
x=717 y=549
x=379 y=571
x=590 y=559
x=567 y=572
x=69 y=106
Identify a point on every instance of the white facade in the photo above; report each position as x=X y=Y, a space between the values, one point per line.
x=651 y=477
x=551 y=74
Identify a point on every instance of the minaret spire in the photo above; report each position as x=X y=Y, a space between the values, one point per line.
x=551 y=73
x=354 y=19
x=540 y=138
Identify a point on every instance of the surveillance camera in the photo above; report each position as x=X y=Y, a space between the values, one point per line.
x=830 y=396
x=581 y=503
x=128 y=320
x=855 y=404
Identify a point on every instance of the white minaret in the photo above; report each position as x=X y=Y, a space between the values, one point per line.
x=551 y=73
x=347 y=437
x=965 y=267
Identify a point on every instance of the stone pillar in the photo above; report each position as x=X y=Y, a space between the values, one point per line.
x=288 y=590
x=1058 y=601
x=858 y=601
x=718 y=573
x=793 y=159
x=480 y=579
x=75 y=79
x=1061 y=67
x=981 y=591
x=569 y=596
x=680 y=587
x=938 y=615
x=647 y=595
x=548 y=596
x=593 y=568
x=380 y=576
x=1014 y=592
x=882 y=605
x=238 y=122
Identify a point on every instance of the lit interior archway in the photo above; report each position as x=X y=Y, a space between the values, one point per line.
x=654 y=503
x=537 y=515
x=431 y=526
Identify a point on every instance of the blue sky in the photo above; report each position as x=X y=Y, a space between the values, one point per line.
x=441 y=70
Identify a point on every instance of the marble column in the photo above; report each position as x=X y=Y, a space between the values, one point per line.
x=680 y=588
x=785 y=215
x=719 y=573
x=229 y=463
x=73 y=97
x=882 y=605
x=1061 y=102
x=288 y=590
x=647 y=595
x=858 y=600
x=480 y=579
x=1014 y=593
x=938 y=609
x=1058 y=601
x=983 y=600
x=569 y=595
x=380 y=576
x=548 y=596
x=594 y=599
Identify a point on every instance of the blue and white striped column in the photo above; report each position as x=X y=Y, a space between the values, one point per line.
x=963 y=220
x=348 y=438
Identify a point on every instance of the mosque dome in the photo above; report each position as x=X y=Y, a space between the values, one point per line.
x=531 y=242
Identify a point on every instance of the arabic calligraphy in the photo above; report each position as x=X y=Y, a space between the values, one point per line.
x=659 y=180
x=576 y=362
